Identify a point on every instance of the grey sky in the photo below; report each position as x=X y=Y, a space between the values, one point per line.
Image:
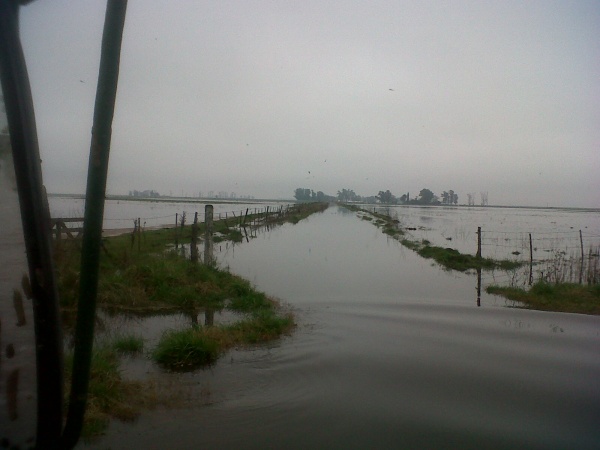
x=262 y=97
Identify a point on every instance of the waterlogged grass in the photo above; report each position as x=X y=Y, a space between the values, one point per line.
x=563 y=297
x=139 y=275
x=161 y=282
x=128 y=344
x=453 y=259
x=446 y=257
x=190 y=349
x=262 y=326
x=136 y=272
x=184 y=350
x=303 y=210
x=109 y=395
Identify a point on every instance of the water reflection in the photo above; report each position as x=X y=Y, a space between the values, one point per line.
x=209 y=317
x=479 y=286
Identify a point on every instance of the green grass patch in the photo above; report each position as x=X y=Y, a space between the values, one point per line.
x=109 y=396
x=185 y=350
x=128 y=344
x=453 y=259
x=140 y=275
x=137 y=273
x=263 y=326
x=446 y=257
x=196 y=347
x=563 y=297
x=249 y=302
x=391 y=231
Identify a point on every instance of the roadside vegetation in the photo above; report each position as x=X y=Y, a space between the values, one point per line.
x=562 y=297
x=551 y=293
x=109 y=395
x=448 y=258
x=145 y=273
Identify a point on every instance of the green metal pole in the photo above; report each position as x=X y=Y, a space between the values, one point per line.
x=94 y=213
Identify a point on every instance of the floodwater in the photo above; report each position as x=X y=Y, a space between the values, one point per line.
x=390 y=352
x=120 y=214
x=505 y=231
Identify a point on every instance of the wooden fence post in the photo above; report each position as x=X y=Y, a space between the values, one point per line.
x=194 y=242
x=133 y=234
x=176 y=230
x=582 y=257
x=478 y=243
x=58 y=232
x=530 y=260
x=208 y=241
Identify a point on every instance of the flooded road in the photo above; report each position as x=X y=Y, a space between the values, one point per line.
x=390 y=352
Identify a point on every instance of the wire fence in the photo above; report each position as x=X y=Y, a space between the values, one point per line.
x=558 y=256
x=74 y=225
x=553 y=255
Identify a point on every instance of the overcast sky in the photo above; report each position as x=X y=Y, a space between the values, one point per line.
x=262 y=97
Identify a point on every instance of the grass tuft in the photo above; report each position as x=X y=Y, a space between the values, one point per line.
x=109 y=396
x=563 y=297
x=190 y=349
x=128 y=344
x=185 y=350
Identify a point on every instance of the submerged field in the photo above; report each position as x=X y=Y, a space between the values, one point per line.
x=145 y=274
x=389 y=349
x=554 y=291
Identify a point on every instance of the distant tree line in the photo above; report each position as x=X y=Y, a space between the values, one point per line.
x=308 y=195
x=425 y=197
x=145 y=194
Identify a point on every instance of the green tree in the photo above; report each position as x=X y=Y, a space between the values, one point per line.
x=444 y=196
x=303 y=194
x=426 y=197
x=387 y=197
x=347 y=195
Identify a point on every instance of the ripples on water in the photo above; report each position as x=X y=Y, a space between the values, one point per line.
x=390 y=352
